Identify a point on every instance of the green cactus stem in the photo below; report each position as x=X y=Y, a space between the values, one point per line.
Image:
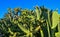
x=48 y=29
x=23 y=28
x=41 y=32
x=37 y=28
x=59 y=24
x=10 y=31
x=55 y=19
x=49 y=22
x=37 y=13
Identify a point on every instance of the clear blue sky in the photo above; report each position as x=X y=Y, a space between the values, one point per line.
x=4 y=4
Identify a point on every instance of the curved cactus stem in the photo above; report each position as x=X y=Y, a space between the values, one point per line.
x=10 y=31
x=37 y=12
x=23 y=28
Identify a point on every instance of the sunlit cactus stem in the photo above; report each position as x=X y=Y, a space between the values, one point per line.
x=37 y=12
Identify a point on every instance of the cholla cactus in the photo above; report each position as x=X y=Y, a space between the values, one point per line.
x=40 y=22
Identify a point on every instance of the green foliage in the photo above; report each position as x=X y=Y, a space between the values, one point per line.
x=40 y=22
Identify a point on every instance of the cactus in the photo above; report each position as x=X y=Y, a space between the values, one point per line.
x=40 y=22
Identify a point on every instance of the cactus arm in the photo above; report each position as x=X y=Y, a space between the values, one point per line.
x=48 y=29
x=31 y=35
x=10 y=31
x=37 y=13
x=59 y=24
x=37 y=28
x=31 y=27
x=42 y=35
x=14 y=35
x=58 y=33
x=41 y=32
x=49 y=19
x=55 y=19
x=23 y=28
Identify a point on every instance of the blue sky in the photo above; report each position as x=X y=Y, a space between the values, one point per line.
x=50 y=4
